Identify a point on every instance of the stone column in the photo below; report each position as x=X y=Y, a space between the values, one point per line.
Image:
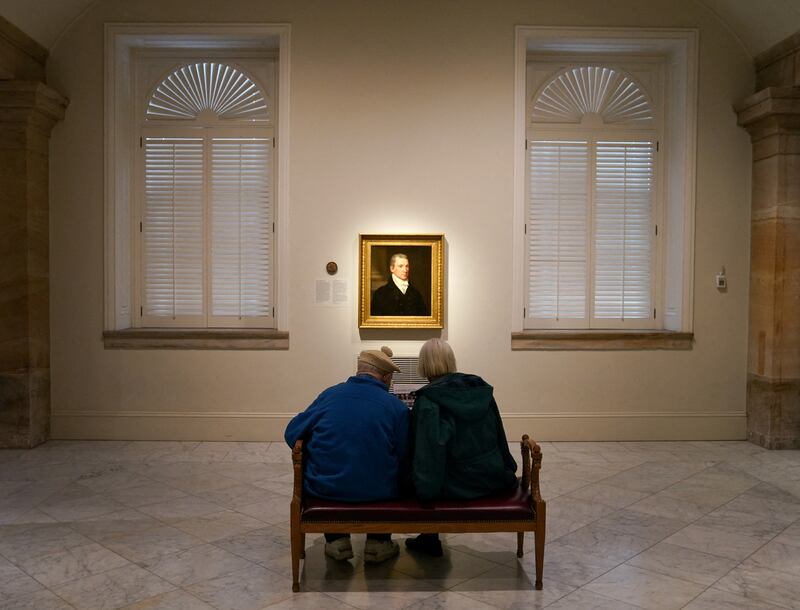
x=28 y=112
x=772 y=117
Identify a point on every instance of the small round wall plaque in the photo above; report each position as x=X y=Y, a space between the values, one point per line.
x=331 y=268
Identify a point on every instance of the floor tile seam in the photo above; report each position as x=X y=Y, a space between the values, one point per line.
x=136 y=562
x=658 y=490
x=614 y=568
x=258 y=563
x=14 y=596
x=615 y=534
x=61 y=598
x=437 y=593
x=300 y=593
x=657 y=571
x=742 y=513
x=624 y=533
x=606 y=597
x=625 y=563
x=738 y=565
x=477 y=554
x=698 y=595
x=416 y=601
x=707 y=552
x=137 y=506
x=8 y=559
x=615 y=508
x=770 y=541
x=771 y=501
x=479 y=574
x=685 y=500
x=54 y=492
x=768 y=604
x=168 y=521
x=183 y=586
x=31 y=593
x=130 y=474
x=467 y=596
x=102 y=539
x=98 y=515
x=38 y=558
x=689 y=476
x=456 y=581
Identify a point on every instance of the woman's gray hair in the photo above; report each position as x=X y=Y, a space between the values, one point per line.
x=436 y=358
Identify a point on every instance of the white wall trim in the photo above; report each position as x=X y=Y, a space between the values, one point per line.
x=287 y=416
x=120 y=42
x=270 y=426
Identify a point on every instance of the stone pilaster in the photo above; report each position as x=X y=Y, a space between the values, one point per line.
x=772 y=117
x=28 y=112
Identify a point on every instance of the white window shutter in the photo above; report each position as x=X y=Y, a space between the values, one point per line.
x=172 y=240
x=241 y=228
x=557 y=229
x=624 y=185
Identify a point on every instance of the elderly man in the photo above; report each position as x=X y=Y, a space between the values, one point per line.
x=397 y=297
x=356 y=436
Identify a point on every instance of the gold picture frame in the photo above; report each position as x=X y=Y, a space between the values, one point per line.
x=384 y=300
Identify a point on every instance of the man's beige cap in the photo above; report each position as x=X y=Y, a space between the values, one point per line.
x=380 y=359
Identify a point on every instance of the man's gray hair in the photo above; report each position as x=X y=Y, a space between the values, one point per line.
x=395 y=257
x=366 y=367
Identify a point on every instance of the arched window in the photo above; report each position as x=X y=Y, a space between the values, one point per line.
x=206 y=199
x=592 y=200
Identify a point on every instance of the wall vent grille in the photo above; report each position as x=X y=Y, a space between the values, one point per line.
x=406 y=381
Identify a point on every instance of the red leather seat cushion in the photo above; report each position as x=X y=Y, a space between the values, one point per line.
x=512 y=506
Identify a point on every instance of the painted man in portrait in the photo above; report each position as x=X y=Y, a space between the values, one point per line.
x=398 y=297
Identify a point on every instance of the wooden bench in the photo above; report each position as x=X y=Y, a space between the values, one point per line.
x=521 y=510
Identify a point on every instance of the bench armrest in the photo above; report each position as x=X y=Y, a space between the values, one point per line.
x=531 y=465
x=297 y=462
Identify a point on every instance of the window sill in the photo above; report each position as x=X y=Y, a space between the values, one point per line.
x=221 y=339
x=601 y=340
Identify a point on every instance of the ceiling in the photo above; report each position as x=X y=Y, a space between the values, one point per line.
x=757 y=24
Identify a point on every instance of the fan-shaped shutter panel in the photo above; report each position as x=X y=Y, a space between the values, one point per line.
x=219 y=88
x=609 y=93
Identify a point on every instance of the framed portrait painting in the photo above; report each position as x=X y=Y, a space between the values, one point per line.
x=401 y=281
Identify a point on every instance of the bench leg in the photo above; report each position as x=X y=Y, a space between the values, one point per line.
x=520 y=543
x=302 y=546
x=297 y=549
x=539 y=542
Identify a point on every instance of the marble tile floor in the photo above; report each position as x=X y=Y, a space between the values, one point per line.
x=195 y=525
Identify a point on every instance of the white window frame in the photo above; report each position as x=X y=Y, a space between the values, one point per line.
x=122 y=42
x=592 y=134
x=151 y=67
x=677 y=48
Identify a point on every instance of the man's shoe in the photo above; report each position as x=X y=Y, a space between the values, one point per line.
x=339 y=549
x=376 y=551
x=425 y=543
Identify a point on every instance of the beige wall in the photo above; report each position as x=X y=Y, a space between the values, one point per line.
x=401 y=120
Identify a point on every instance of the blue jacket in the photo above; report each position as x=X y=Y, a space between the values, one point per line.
x=356 y=436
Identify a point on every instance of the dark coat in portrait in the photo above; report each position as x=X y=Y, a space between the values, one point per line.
x=388 y=300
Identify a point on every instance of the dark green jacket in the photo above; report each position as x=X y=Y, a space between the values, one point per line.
x=459 y=446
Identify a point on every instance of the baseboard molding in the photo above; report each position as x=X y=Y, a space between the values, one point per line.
x=244 y=426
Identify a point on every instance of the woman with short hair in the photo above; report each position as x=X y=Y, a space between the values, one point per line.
x=459 y=447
